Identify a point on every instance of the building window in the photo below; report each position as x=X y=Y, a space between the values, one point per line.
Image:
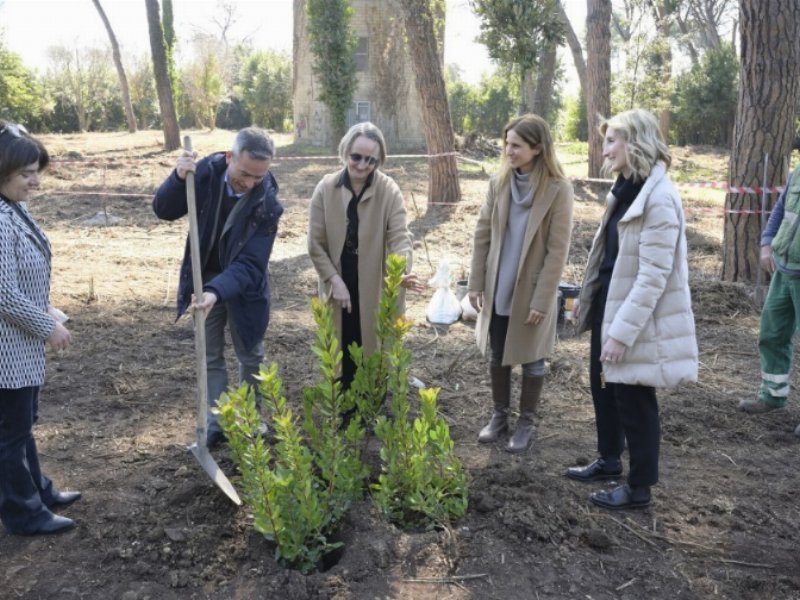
x=362 y=54
x=359 y=113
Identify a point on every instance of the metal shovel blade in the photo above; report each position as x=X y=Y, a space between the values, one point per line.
x=199 y=447
x=211 y=467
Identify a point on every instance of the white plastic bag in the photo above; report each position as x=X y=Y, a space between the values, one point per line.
x=444 y=308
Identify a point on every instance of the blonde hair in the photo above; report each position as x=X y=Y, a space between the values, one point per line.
x=368 y=130
x=644 y=144
x=536 y=132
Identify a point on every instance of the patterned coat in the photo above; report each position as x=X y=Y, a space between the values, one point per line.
x=24 y=292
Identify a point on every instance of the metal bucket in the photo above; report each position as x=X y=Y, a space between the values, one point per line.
x=567 y=294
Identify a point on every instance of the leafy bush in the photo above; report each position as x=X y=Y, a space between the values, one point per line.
x=484 y=108
x=300 y=489
x=576 y=123
x=422 y=481
x=705 y=99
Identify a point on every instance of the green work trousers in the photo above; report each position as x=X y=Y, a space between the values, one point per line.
x=779 y=321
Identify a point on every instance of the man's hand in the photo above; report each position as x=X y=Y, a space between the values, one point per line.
x=206 y=302
x=186 y=164
x=767 y=262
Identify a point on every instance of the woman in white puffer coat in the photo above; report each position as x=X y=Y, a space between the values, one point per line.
x=635 y=299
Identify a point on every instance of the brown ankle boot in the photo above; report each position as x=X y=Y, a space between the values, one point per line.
x=528 y=401
x=501 y=396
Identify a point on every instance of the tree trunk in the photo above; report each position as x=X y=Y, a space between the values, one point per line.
x=169 y=118
x=527 y=92
x=443 y=183
x=574 y=46
x=123 y=81
x=543 y=97
x=769 y=85
x=598 y=76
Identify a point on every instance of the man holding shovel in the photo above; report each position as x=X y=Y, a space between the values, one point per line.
x=237 y=220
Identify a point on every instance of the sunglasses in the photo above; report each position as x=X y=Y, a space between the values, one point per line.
x=15 y=130
x=357 y=158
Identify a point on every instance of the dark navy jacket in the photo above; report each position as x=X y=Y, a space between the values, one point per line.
x=245 y=245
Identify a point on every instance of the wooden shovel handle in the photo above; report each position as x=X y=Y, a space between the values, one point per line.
x=199 y=315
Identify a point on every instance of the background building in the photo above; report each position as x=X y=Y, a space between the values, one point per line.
x=385 y=94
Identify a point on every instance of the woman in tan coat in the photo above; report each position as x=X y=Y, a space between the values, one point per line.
x=519 y=252
x=357 y=219
x=635 y=299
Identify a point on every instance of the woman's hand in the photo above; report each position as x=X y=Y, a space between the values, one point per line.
x=612 y=351
x=340 y=293
x=412 y=283
x=476 y=299
x=206 y=303
x=534 y=317
x=61 y=338
x=767 y=262
x=576 y=310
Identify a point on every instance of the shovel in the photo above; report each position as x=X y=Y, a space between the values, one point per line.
x=199 y=449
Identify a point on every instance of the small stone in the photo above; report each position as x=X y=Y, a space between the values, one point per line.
x=130 y=595
x=597 y=539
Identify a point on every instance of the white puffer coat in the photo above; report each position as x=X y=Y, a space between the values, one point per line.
x=649 y=306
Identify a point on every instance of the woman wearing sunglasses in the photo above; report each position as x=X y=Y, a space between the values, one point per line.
x=27 y=323
x=357 y=219
x=519 y=251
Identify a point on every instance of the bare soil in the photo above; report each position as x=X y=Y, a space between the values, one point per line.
x=117 y=415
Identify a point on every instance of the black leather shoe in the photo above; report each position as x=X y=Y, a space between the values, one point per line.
x=214 y=439
x=622 y=497
x=599 y=470
x=63 y=499
x=55 y=524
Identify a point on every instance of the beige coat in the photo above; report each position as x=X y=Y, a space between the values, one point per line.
x=544 y=254
x=382 y=230
x=649 y=306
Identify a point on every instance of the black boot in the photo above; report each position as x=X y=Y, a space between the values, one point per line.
x=501 y=396
x=528 y=401
x=598 y=470
x=622 y=497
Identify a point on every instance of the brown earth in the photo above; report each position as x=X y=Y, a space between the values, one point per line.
x=118 y=413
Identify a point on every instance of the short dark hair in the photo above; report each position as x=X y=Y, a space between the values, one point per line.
x=255 y=142
x=18 y=149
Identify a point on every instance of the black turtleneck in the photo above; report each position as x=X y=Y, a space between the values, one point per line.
x=625 y=191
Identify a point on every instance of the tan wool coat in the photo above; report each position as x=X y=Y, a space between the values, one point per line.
x=382 y=230
x=649 y=305
x=544 y=253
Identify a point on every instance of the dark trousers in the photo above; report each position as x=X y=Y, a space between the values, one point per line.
x=625 y=412
x=351 y=321
x=24 y=490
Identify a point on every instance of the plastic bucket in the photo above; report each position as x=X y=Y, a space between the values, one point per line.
x=567 y=294
x=461 y=289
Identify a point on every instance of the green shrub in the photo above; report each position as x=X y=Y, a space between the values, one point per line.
x=422 y=482
x=300 y=489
